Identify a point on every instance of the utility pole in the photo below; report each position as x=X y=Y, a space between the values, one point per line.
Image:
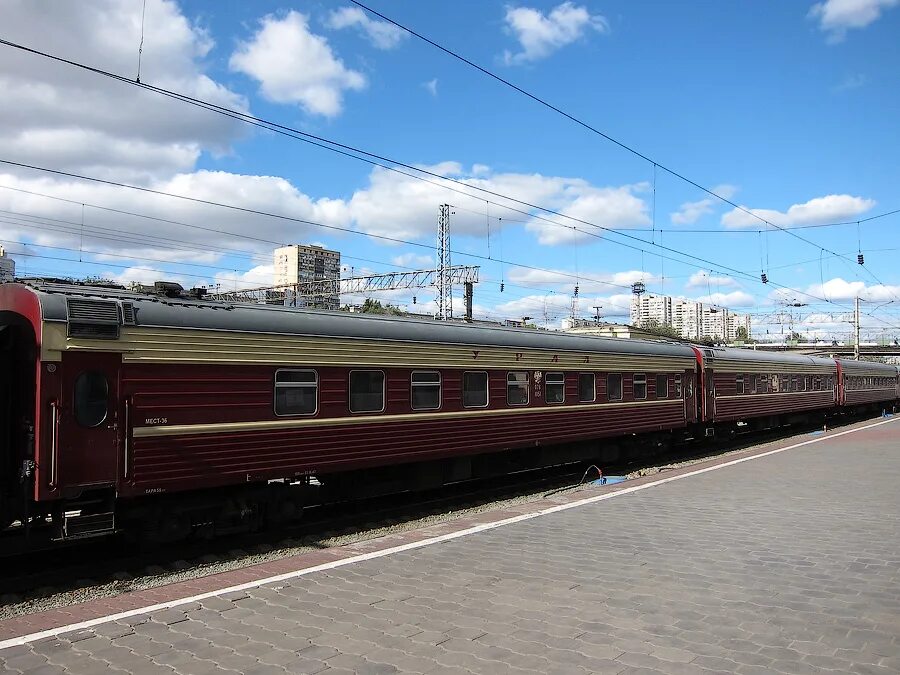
x=856 y=344
x=597 y=308
x=444 y=284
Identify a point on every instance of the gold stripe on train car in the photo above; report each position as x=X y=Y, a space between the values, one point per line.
x=266 y=425
x=774 y=394
x=766 y=367
x=156 y=345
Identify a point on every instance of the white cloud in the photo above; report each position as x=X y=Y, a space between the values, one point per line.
x=432 y=86
x=413 y=204
x=702 y=279
x=836 y=17
x=414 y=261
x=827 y=209
x=294 y=65
x=165 y=238
x=690 y=212
x=564 y=281
x=729 y=300
x=381 y=34
x=55 y=115
x=540 y=35
x=257 y=277
x=837 y=289
x=612 y=207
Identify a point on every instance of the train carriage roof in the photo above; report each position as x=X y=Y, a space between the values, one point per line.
x=872 y=368
x=736 y=356
x=200 y=314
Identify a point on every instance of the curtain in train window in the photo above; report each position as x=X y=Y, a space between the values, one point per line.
x=587 y=388
x=296 y=392
x=426 y=390
x=555 y=387
x=614 y=387
x=366 y=391
x=475 y=389
x=517 y=388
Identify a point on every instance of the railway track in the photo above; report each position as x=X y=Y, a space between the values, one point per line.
x=108 y=568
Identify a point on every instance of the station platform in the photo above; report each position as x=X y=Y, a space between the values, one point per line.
x=783 y=559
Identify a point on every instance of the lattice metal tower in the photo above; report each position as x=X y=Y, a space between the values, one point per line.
x=444 y=282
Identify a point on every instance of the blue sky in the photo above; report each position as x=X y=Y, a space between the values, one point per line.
x=789 y=108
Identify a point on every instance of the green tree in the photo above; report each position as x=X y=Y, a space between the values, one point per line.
x=662 y=330
x=371 y=306
x=741 y=333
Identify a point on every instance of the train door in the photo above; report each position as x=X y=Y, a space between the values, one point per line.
x=687 y=393
x=86 y=453
x=709 y=392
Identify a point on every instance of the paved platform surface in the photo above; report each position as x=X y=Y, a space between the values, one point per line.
x=788 y=563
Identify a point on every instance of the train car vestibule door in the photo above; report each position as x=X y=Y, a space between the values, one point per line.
x=88 y=438
x=709 y=388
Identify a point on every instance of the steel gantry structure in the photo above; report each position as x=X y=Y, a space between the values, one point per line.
x=294 y=294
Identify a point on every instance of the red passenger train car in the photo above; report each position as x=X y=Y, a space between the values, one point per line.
x=173 y=415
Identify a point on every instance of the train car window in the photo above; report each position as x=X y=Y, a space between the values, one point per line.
x=366 y=391
x=739 y=384
x=614 y=387
x=296 y=392
x=639 y=384
x=555 y=387
x=517 y=388
x=587 y=388
x=475 y=389
x=678 y=386
x=662 y=386
x=775 y=383
x=751 y=380
x=91 y=399
x=425 y=386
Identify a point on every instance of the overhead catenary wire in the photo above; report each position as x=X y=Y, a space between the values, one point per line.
x=368 y=157
x=249 y=210
x=580 y=122
x=373 y=158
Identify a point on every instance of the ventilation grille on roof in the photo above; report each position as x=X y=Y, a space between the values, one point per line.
x=93 y=318
x=128 y=314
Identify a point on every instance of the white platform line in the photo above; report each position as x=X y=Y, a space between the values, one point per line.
x=25 y=639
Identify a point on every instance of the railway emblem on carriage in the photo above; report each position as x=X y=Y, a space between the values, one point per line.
x=537 y=377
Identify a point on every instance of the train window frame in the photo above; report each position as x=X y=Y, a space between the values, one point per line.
x=754 y=381
x=678 y=389
x=350 y=391
x=610 y=377
x=635 y=382
x=664 y=380
x=84 y=402
x=739 y=384
x=421 y=385
x=523 y=385
x=487 y=389
x=295 y=385
x=593 y=397
x=561 y=383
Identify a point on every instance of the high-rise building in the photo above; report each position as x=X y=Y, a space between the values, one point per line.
x=7 y=266
x=298 y=263
x=687 y=319
x=649 y=310
x=692 y=320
